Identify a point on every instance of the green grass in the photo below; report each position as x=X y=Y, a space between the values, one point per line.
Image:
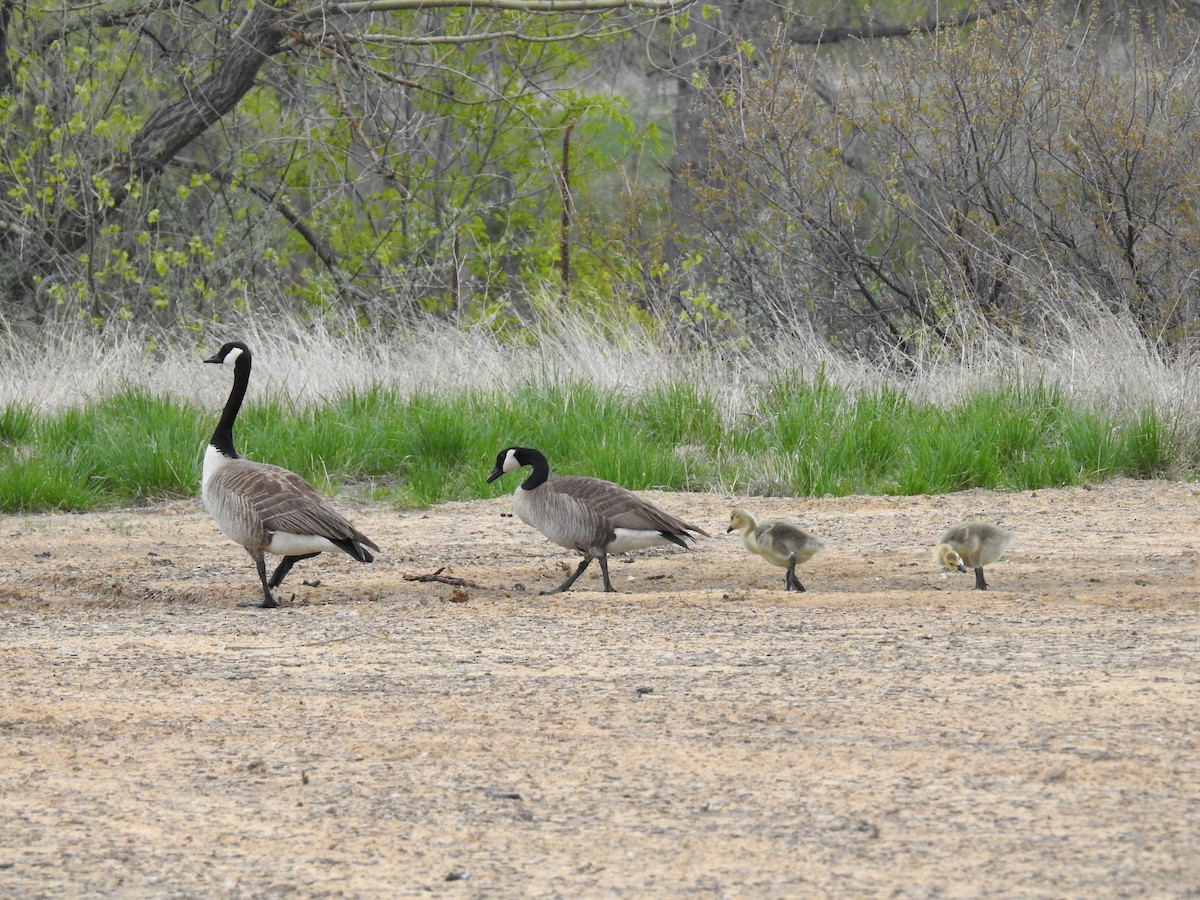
x=795 y=437
x=16 y=424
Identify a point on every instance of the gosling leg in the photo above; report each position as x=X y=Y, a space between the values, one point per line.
x=791 y=582
x=980 y=584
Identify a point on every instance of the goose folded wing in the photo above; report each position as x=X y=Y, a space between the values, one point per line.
x=622 y=508
x=288 y=503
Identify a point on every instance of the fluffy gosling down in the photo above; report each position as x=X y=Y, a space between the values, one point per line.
x=590 y=515
x=265 y=508
x=779 y=543
x=972 y=545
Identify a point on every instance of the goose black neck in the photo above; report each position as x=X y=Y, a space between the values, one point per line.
x=222 y=437
x=538 y=463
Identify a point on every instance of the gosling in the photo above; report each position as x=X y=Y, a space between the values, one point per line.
x=589 y=515
x=972 y=545
x=779 y=543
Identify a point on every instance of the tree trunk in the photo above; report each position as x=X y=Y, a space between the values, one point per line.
x=173 y=127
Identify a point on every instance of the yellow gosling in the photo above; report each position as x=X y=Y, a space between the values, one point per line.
x=779 y=543
x=972 y=545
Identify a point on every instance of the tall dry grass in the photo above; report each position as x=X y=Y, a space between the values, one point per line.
x=1101 y=360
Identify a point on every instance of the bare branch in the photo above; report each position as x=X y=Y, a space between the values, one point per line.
x=322 y=250
x=100 y=20
x=330 y=54
x=878 y=30
x=325 y=10
x=6 y=8
x=15 y=228
x=454 y=39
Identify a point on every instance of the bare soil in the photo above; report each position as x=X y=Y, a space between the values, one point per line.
x=891 y=732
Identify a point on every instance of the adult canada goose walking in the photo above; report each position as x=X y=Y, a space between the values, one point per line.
x=265 y=508
x=779 y=543
x=972 y=545
x=593 y=516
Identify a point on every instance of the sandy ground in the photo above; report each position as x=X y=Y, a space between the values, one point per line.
x=891 y=732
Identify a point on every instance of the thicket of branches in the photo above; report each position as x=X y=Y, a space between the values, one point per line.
x=179 y=160
x=984 y=177
x=983 y=167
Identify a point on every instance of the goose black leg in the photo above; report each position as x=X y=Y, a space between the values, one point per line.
x=268 y=601
x=285 y=566
x=792 y=583
x=608 y=588
x=570 y=578
x=980 y=584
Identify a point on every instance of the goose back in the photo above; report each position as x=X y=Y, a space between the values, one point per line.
x=596 y=516
x=977 y=543
x=782 y=544
x=779 y=543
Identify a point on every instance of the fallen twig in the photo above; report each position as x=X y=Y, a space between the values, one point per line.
x=443 y=579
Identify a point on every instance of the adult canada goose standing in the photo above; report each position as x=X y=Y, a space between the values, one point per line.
x=265 y=508
x=779 y=543
x=972 y=545
x=590 y=515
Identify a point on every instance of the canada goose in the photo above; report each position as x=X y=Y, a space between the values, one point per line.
x=593 y=516
x=972 y=545
x=779 y=543
x=265 y=508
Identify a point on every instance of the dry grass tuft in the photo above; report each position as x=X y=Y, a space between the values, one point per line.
x=1103 y=361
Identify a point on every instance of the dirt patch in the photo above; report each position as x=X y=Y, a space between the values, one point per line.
x=701 y=732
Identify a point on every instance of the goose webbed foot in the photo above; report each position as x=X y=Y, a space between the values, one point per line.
x=264 y=603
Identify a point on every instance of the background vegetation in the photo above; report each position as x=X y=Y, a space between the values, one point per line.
x=766 y=247
x=420 y=417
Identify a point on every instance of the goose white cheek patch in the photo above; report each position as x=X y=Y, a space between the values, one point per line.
x=232 y=356
x=510 y=462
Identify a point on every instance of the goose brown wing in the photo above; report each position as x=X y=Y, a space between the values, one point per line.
x=621 y=507
x=286 y=502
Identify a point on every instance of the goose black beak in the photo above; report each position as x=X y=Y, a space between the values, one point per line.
x=215 y=358
x=496 y=473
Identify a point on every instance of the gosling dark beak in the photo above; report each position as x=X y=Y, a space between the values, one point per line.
x=961 y=567
x=729 y=529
